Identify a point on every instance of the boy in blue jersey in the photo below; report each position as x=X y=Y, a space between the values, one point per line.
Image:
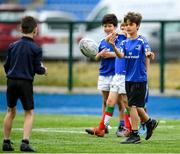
x=22 y=63
x=135 y=49
x=116 y=84
x=107 y=58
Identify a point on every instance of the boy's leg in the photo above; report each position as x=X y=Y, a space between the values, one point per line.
x=142 y=128
x=121 y=104
x=134 y=117
x=26 y=97
x=112 y=99
x=105 y=95
x=8 y=120
x=134 y=137
x=151 y=124
x=127 y=119
x=28 y=122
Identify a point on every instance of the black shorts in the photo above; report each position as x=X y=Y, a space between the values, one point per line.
x=136 y=92
x=20 y=89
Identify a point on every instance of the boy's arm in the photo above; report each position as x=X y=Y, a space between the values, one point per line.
x=38 y=65
x=147 y=65
x=116 y=50
x=98 y=56
x=7 y=62
x=107 y=54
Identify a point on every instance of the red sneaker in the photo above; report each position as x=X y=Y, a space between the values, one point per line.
x=96 y=131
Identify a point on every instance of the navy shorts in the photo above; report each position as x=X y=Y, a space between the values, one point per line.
x=20 y=89
x=136 y=92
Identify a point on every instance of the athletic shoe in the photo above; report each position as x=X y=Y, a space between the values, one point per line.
x=126 y=132
x=150 y=127
x=7 y=145
x=26 y=147
x=96 y=131
x=132 y=139
x=142 y=129
x=122 y=132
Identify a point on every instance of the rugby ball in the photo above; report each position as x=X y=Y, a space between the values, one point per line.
x=88 y=47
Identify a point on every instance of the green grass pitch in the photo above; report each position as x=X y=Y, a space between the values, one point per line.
x=65 y=134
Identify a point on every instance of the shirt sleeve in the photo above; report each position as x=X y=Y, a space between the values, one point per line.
x=7 y=61
x=100 y=47
x=38 y=65
x=146 y=46
x=121 y=47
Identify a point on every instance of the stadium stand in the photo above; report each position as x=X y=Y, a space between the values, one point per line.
x=79 y=8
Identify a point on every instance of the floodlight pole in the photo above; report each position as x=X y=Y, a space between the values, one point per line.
x=162 y=59
x=70 y=59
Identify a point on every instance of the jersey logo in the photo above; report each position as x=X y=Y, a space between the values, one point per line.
x=138 y=47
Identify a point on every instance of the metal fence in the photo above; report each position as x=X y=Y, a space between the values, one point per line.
x=160 y=33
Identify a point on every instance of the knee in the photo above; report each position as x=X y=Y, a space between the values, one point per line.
x=12 y=112
x=29 y=113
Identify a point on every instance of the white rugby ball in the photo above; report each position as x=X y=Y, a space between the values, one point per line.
x=88 y=47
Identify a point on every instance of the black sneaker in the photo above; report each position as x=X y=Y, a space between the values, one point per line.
x=132 y=139
x=150 y=127
x=7 y=145
x=26 y=147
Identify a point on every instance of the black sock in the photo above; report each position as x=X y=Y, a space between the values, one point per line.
x=135 y=132
x=25 y=141
x=7 y=141
x=147 y=122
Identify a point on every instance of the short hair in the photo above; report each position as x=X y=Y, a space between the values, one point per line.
x=110 y=19
x=28 y=24
x=122 y=24
x=133 y=17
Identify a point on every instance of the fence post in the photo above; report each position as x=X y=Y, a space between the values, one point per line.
x=162 y=60
x=70 y=59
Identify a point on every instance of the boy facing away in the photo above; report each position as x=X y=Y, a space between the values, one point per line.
x=22 y=63
x=136 y=50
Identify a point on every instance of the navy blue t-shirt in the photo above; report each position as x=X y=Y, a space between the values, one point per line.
x=24 y=60
x=135 y=59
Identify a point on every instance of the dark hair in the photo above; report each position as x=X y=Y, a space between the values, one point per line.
x=110 y=19
x=28 y=24
x=133 y=17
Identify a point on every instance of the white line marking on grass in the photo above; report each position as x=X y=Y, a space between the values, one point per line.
x=54 y=130
x=74 y=130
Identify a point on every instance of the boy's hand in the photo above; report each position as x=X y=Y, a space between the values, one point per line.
x=106 y=54
x=111 y=39
x=150 y=55
x=108 y=37
x=46 y=71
